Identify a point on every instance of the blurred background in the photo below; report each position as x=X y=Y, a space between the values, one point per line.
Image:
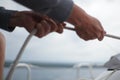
x=68 y=47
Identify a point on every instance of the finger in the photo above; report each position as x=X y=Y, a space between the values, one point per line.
x=81 y=34
x=100 y=32
x=53 y=25
x=46 y=27
x=36 y=16
x=40 y=30
x=63 y=24
x=87 y=37
x=101 y=36
x=60 y=28
x=40 y=17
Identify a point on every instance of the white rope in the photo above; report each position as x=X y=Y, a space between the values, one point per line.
x=112 y=36
x=9 y=76
x=107 y=35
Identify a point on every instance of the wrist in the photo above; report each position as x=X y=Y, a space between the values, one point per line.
x=13 y=20
x=76 y=16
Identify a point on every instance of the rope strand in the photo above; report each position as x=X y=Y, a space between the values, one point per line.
x=9 y=76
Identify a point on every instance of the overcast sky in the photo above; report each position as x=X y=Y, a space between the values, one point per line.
x=68 y=47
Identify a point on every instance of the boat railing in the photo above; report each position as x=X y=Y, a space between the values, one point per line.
x=28 y=68
x=78 y=67
x=104 y=76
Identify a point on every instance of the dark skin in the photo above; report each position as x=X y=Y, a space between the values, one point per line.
x=86 y=26
x=31 y=20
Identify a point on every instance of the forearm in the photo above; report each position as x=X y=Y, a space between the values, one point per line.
x=5 y=16
x=77 y=15
x=56 y=9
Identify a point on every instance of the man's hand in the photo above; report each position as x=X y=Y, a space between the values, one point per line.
x=31 y=20
x=87 y=27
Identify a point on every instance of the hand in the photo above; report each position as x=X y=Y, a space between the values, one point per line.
x=86 y=26
x=31 y=20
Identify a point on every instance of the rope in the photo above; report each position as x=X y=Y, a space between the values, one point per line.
x=107 y=35
x=9 y=76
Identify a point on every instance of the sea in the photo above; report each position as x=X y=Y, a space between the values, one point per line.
x=55 y=73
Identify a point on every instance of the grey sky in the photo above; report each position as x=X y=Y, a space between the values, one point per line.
x=68 y=47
